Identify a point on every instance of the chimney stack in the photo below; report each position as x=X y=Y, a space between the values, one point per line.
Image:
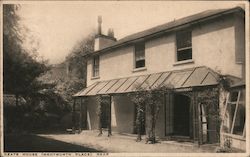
x=101 y=40
x=99 y=25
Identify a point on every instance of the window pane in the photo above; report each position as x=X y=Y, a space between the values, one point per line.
x=184 y=39
x=140 y=63
x=239 y=120
x=139 y=55
x=233 y=96
x=184 y=55
x=228 y=119
x=243 y=95
x=96 y=66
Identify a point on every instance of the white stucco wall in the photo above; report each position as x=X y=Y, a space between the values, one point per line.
x=213 y=45
x=123 y=114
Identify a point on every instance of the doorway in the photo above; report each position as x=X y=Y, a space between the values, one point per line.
x=105 y=112
x=181 y=115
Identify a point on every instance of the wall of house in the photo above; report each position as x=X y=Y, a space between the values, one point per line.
x=122 y=114
x=214 y=45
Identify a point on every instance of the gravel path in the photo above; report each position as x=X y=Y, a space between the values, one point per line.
x=123 y=143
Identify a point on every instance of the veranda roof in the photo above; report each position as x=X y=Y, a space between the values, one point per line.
x=198 y=76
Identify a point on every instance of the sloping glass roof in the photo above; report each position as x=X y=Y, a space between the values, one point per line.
x=198 y=76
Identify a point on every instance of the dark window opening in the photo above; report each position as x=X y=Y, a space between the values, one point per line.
x=96 y=66
x=184 y=55
x=239 y=120
x=184 y=45
x=233 y=96
x=140 y=55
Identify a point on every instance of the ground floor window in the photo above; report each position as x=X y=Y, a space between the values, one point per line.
x=235 y=113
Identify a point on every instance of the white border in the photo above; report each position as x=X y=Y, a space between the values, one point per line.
x=247 y=23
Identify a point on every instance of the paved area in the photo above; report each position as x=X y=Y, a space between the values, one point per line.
x=126 y=143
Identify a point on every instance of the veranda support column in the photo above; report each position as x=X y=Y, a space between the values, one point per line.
x=99 y=100
x=80 y=118
x=196 y=122
x=73 y=115
x=109 y=116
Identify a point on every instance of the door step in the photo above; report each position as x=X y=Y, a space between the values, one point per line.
x=181 y=138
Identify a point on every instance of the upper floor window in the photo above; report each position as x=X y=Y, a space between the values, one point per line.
x=184 y=45
x=96 y=66
x=140 y=55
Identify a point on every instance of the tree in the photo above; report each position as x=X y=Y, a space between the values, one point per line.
x=69 y=77
x=21 y=68
x=76 y=60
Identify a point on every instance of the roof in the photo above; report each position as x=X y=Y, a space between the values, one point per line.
x=164 y=28
x=241 y=83
x=198 y=76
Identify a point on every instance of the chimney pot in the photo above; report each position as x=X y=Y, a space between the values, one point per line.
x=99 y=20
x=111 y=32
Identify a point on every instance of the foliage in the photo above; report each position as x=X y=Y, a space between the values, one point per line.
x=209 y=99
x=227 y=146
x=76 y=60
x=149 y=101
x=20 y=67
x=22 y=70
x=101 y=101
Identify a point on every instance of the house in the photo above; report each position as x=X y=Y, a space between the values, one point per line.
x=192 y=55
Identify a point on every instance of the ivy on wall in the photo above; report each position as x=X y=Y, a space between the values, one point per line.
x=149 y=102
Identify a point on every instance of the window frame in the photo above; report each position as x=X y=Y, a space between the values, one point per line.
x=236 y=104
x=95 y=67
x=135 y=57
x=177 y=34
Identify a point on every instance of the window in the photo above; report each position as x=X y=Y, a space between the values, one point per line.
x=139 y=55
x=184 y=45
x=96 y=66
x=234 y=117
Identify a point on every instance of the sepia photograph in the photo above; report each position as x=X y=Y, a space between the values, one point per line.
x=130 y=78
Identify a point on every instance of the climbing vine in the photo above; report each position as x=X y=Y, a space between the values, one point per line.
x=102 y=100
x=149 y=102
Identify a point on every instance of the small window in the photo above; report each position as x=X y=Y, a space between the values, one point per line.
x=184 y=45
x=140 y=55
x=96 y=66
